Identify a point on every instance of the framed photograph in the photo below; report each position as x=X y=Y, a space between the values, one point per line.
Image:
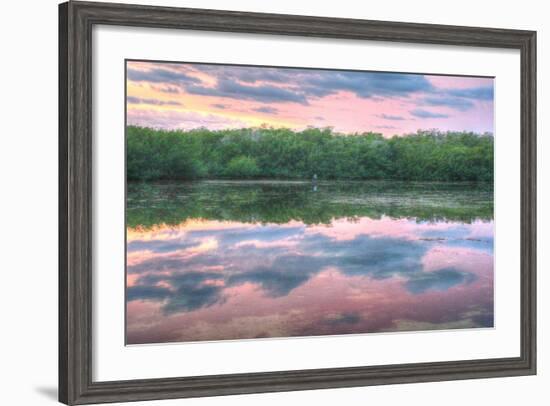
x=257 y=202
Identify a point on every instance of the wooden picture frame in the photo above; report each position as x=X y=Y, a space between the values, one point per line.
x=76 y=20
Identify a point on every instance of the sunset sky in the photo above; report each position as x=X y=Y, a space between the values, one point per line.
x=186 y=96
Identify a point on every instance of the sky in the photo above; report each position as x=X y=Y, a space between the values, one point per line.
x=189 y=95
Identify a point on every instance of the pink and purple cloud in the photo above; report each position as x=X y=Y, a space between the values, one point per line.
x=186 y=96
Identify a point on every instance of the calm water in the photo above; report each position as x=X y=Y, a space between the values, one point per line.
x=218 y=260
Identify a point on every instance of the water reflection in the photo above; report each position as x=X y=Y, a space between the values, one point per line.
x=271 y=260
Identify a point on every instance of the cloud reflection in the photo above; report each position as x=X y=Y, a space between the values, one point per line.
x=408 y=272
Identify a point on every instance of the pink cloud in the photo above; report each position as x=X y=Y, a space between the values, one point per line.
x=298 y=98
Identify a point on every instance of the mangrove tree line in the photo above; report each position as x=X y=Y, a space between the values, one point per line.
x=269 y=153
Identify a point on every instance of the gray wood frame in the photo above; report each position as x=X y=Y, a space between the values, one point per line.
x=76 y=20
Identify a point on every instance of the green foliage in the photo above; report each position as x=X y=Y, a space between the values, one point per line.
x=154 y=154
x=242 y=167
x=271 y=153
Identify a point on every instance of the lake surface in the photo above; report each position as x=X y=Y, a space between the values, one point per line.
x=215 y=260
